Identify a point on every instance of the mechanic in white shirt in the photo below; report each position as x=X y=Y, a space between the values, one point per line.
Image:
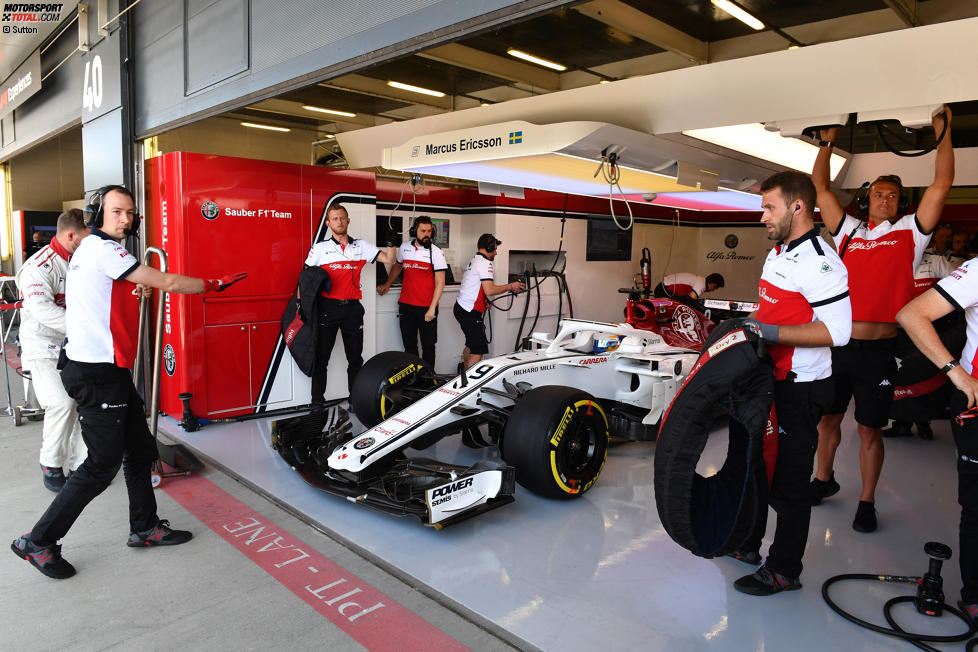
x=41 y=282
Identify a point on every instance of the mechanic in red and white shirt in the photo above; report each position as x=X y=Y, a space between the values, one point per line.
x=881 y=255
x=102 y=319
x=471 y=304
x=424 y=268
x=343 y=257
x=959 y=291
x=804 y=310
x=41 y=281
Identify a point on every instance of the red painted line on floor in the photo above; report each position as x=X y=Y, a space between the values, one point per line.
x=369 y=616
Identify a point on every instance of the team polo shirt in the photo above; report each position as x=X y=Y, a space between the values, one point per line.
x=684 y=283
x=102 y=311
x=471 y=296
x=802 y=282
x=343 y=264
x=961 y=290
x=420 y=265
x=881 y=261
x=932 y=268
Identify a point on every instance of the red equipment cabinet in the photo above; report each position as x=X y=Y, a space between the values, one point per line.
x=216 y=215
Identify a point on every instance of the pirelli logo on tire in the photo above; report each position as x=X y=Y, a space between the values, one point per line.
x=562 y=426
x=400 y=375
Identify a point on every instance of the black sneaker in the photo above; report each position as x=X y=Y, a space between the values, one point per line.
x=54 y=477
x=898 y=429
x=764 y=581
x=865 y=520
x=821 y=489
x=47 y=560
x=751 y=557
x=159 y=535
x=971 y=611
x=924 y=431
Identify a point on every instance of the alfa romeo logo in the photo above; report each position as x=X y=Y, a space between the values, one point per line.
x=366 y=442
x=210 y=210
x=169 y=360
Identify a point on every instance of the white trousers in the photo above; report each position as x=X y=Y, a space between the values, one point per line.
x=61 y=440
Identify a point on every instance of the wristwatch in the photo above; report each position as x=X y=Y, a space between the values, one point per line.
x=950 y=365
x=826 y=143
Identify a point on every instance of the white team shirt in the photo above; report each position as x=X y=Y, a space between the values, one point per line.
x=419 y=264
x=802 y=282
x=102 y=310
x=932 y=268
x=343 y=264
x=41 y=281
x=471 y=296
x=961 y=290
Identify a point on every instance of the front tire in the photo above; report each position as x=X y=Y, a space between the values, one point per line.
x=387 y=383
x=557 y=438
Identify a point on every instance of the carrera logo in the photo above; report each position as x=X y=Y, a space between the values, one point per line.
x=400 y=420
x=400 y=375
x=451 y=488
x=449 y=391
x=587 y=361
x=366 y=442
x=726 y=342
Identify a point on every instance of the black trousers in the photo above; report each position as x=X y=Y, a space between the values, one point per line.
x=113 y=425
x=799 y=407
x=966 y=439
x=413 y=325
x=338 y=317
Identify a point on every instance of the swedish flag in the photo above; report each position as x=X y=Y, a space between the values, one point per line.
x=515 y=137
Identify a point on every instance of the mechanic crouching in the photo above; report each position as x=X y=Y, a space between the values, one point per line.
x=41 y=282
x=102 y=322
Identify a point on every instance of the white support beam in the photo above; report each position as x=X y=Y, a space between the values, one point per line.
x=627 y=19
x=378 y=88
x=906 y=10
x=491 y=64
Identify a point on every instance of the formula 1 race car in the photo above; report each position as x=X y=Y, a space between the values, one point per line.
x=550 y=410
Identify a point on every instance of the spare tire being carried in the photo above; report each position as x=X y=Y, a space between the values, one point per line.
x=710 y=516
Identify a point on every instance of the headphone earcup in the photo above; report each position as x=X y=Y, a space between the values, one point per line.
x=93 y=215
x=903 y=205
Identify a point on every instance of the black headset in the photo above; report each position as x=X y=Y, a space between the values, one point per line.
x=862 y=195
x=420 y=219
x=95 y=213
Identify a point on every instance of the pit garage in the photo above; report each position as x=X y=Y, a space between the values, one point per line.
x=641 y=158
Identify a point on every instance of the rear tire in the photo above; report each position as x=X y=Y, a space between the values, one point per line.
x=557 y=438
x=379 y=388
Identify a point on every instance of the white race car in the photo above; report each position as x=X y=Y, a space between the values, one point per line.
x=551 y=411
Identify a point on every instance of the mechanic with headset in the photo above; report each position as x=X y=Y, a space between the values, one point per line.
x=470 y=306
x=804 y=310
x=956 y=292
x=41 y=282
x=881 y=253
x=343 y=257
x=689 y=285
x=424 y=281
x=102 y=325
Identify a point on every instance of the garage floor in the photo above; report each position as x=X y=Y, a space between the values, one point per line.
x=601 y=573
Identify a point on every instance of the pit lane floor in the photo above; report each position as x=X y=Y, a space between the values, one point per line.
x=601 y=573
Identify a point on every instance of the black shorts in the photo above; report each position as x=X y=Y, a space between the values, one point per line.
x=474 y=329
x=864 y=370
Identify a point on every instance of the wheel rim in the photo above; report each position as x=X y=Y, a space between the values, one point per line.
x=581 y=445
x=580 y=454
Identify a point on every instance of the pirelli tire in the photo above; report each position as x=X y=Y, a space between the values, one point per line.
x=379 y=389
x=557 y=439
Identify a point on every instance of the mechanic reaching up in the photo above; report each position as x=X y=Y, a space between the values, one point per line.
x=470 y=306
x=343 y=257
x=685 y=284
x=881 y=255
x=41 y=281
x=804 y=310
x=102 y=322
x=424 y=281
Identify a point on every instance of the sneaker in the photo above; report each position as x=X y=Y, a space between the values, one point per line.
x=751 y=557
x=159 y=535
x=865 y=520
x=924 y=431
x=764 y=581
x=969 y=610
x=898 y=429
x=54 y=477
x=47 y=560
x=822 y=490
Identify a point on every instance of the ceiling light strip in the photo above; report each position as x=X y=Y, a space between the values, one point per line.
x=415 y=89
x=519 y=54
x=739 y=13
x=255 y=125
